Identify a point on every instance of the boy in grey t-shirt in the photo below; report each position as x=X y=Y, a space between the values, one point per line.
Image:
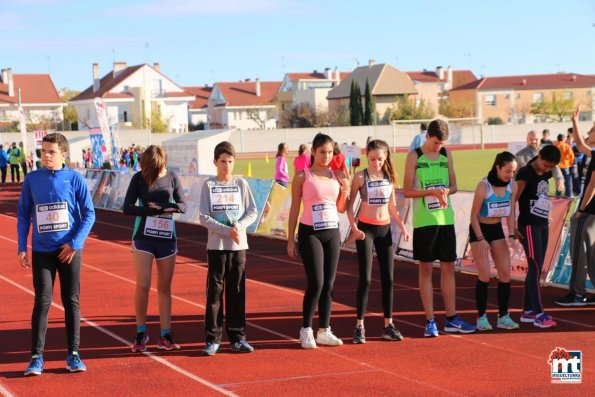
x=227 y=208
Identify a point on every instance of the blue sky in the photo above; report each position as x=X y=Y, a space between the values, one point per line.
x=204 y=41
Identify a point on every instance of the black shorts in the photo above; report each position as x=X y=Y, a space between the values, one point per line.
x=491 y=232
x=432 y=243
x=159 y=249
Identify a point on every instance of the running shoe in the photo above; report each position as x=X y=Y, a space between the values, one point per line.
x=528 y=316
x=544 y=321
x=572 y=300
x=390 y=332
x=505 y=322
x=211 y=348
x=166 y=342
x=241 y=346
x=307 y=338
x=431 y=328
x=359 y=336
x=35 y=366
x=327 y=338
x=483 y=324
x=458 y=325
x=140 y=343
x=591 y=300
x=74 y=363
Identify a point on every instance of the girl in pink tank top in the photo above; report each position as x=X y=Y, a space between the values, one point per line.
x=323 y=193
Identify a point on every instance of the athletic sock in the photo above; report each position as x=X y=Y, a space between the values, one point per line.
x=165 y=332
x=450 y=318
x=503 y=298
x=141 y=328
x=481 y=296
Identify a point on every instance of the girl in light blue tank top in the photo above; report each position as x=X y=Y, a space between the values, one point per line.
x=492 y=202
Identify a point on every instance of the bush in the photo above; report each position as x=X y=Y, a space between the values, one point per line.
x=495 y=121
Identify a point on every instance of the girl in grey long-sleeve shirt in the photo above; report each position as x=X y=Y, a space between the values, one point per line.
x=227 y=208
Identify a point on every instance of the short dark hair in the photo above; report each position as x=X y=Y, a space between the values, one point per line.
x=561 y=137
x=439 y=129
x=224 y=148
x=423 y=126
x=550 y=153
x=58 y=138
x=570 y=130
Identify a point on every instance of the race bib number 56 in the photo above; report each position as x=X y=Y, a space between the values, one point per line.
x=52 y=217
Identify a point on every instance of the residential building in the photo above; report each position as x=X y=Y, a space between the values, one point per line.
x=40 y=99
x=133 y=95
x=432 y=85
x=388 y=85
x=198 y=110
x=244 y=105
x=308 y=88
x=510 y=97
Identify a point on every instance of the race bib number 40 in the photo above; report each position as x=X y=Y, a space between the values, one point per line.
x=52 y=217
x=225 y=198
x=379 y=192
x=325 y=216
x=161 y=226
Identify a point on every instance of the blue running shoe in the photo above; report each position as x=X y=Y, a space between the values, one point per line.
x=35 y=366
x=211 y=348
x=458 y=325
x=431 y=329
x=74 y=363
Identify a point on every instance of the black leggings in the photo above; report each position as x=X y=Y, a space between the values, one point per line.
x=380 y=237
x=319 y=250
x=44 y=266
x=15 y=168
x=535 y=238
x=3 y=171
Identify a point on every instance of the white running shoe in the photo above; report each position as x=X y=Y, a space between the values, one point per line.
x=307 y=338
x=328 y=338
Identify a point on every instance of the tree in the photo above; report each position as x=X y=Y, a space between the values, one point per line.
x=340 y=118
x=303 y=116
x=157 y=123
x=407 y=109
x=356 y=112
x=557 y=108
x=260 y=117
x=69 y=115
x=370 y=112
x=455 y=110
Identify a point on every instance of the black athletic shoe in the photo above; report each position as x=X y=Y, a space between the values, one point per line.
x=359 y=336
x=391 y=333
x=572 y=300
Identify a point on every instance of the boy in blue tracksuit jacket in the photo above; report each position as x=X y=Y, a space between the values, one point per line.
x=3 y=163
x=57 y=201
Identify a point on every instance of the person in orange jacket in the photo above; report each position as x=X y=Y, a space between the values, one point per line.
x=566 y=161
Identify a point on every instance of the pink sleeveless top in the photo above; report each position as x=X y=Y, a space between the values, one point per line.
x=320 y=201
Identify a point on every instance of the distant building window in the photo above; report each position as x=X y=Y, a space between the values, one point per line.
x=490 y=100
x=126 y=88
x=538 y=97
x=567 y=95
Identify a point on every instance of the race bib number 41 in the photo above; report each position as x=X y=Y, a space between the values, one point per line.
x=52 y=217
x=325 y=216
x=161 y=226
x=225 y=198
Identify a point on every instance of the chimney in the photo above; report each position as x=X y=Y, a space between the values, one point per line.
x=118 y=68
x=573 y=78
x=371 y=62
x=440 y=72
x=524 y=82
x=328 y=74
x=449 y=77
x=337 y=74
x=4 y=76
x=10 y=82
x=96 y=77
x=156 y=66
x=257 y=86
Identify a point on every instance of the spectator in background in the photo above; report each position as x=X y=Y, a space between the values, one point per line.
x=15 y=160
x=338 y=162
x=574 y=168
x=281 y=171
x=420 y=138
x=546 y=138
x=3 y=163
x=302 y=161
x=525 y=155
x=23 y=159
x=566 y=160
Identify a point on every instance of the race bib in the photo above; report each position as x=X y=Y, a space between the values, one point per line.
x=161 y=226
x=325 y=216
x=432 y=202
x=541 y=207
x=52 y=217
x=225 y=198
x=498 y=209
x=379 y=192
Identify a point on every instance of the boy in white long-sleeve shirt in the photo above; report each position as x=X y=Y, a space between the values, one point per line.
x=227 y=208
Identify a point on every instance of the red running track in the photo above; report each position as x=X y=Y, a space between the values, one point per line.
x=496 y=363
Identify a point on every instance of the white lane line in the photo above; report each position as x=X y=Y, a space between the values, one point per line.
x=5 y=392
x=367 y=371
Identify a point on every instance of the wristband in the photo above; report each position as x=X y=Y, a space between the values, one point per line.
x=480 y=238
x=513 y=236
x=581 y=211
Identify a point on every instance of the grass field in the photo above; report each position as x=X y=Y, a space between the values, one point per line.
x=470 y=166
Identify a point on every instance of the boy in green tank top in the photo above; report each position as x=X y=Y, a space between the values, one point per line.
x=429 y=180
